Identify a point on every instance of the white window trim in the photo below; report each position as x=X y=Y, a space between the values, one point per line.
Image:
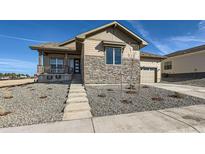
x=113 y=63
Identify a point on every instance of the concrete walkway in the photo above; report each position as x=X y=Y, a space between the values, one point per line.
x=184 y=119
x=184 y=89
x=77 y=103
x=7 y=83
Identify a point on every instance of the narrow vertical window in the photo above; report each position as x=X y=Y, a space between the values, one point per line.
x=113 y=55
x=109 y=55
x=117 y=55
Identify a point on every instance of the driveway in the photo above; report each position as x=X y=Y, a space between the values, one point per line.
x=184 y=89
x=184 y=119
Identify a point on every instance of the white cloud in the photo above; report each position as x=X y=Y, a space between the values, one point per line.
x=17 y=66
x=171 y=44
x=162 y=47
x=21 y=38
x=202 y=25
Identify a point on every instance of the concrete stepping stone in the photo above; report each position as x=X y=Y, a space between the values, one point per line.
x=77 y=87
x=71 y=95
x=77 y=100
x=77 y=115
x=77 y=107
x=76 y=90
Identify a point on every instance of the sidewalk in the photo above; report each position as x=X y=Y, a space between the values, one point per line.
x=185 y=119
x=6 y=83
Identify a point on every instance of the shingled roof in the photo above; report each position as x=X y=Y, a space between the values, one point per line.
x=150 y=55
x=51 y=46
x=115 y=24
x=186 y=51
x=60 y=46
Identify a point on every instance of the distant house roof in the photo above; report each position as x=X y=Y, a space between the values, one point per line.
x=116 y=24
x=151 y=55
x=186 y=51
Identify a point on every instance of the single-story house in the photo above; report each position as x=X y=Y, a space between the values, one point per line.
x=184 y=64
x=107 y=54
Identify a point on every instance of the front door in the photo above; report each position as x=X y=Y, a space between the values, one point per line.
x=77 y=66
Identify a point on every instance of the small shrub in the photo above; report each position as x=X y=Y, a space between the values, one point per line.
x=177 y=95
x=32 y=89
x=125 y=101
x=8 y=97
x=131 y=92
x=110 y=90
x=157 y=99
x=145 y=86
x=131 y=87
x=43 y=97
x=101 y=95
x=49 y=89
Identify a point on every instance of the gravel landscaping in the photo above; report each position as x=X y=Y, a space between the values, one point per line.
x=193 y=82
x=32 y=104
x=109 y=100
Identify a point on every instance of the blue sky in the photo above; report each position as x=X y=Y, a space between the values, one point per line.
x=163 y=36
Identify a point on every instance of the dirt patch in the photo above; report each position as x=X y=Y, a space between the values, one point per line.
x=157 y=99
x=101 y=95
x=145 y=86
x=5 y=113
x=8 y=97
x=49 y=89
x=43 y=97
x=131 y=92
x=125 y=101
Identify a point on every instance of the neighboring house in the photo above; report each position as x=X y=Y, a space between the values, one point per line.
x=150 y=67
x=100 y=56
x=184 y=64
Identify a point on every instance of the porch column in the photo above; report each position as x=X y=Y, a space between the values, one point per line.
x=66 y=62
x=40 y=58
x=40 y=69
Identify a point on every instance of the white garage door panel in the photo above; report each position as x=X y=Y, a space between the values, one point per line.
x=147 y=76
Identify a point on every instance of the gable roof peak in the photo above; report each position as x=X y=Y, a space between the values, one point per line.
x=113 y=23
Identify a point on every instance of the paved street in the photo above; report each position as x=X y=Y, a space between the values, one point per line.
x=185 y=119
x=185 y=89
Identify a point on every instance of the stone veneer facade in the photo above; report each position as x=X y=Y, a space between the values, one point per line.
x=97 y=72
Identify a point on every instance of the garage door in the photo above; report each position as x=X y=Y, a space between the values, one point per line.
x=147 y=75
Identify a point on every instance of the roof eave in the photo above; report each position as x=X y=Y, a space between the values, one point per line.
x=50 y=49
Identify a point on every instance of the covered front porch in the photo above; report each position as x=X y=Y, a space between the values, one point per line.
x=58 y=66
x=57 y=62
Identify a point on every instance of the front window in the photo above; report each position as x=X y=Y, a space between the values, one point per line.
x=56 y=65
x=168 y=65
x=113 y=55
